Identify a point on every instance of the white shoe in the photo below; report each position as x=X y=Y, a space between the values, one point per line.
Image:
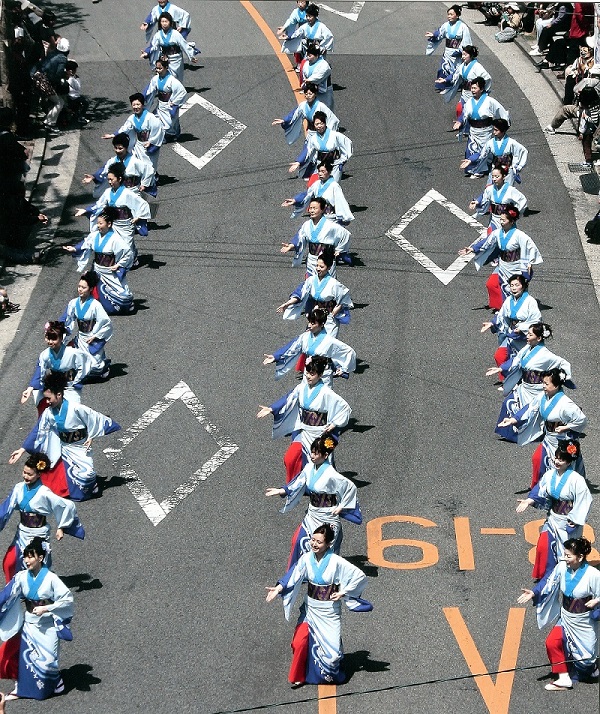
x=534 y=47
x=536 y=53
x=550 y=129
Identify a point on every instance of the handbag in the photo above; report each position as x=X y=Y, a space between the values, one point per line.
x=43 y=84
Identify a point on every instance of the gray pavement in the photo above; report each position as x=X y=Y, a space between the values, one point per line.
x=172 y=616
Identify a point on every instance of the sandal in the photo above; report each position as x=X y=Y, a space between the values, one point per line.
x=11 y=696
x=552 y=687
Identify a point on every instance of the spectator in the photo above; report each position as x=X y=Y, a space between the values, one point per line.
x=54 y=68
x=77 y=104
x=547 y=28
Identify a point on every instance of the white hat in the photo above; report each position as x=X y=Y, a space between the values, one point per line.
x=513 y=6
x=590 y=41
x=19 y=32
x=62 y=45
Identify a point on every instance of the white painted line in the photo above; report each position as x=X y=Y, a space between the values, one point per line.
x=352 y=15
x=395 y=234
x=156 y=511
x=237 y=128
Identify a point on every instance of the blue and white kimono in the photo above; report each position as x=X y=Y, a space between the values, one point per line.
x=181 y=19
x=340 y=355
x=337 y=208
x=297 y=17
x=304 y=413
x=331 y=498
x=293 y=122
x=76 y=363
x=170 y=94
x=322 y=615
x=138 y=172
x=579 y=623
x=515 y=251
x=513 y=320
x=106 y=251
x=456 y=35
x=141 y=130
x=495 y=201
x=35 y=503
x=461 y=80
x=504 y=152
x=173 y=45
x=39 y=675
x=130 y=206
x=567 y=500
x=319 y=73
x=523 y=387
x=318 y=33
x=311 y=239
x=477 y=118
x=62 y=433
x=331 y=146
x=328 y=294
x=87 y=321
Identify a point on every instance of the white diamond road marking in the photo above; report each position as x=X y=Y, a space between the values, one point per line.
x=395 y=233
x=352 y=15
x=156 y=511
x=237 y=128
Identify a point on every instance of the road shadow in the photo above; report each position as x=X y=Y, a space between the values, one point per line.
x=148 y=261
x=360 y=661
x=360 y=561
x=81 y=582
x=198 y=91
x=67 y=13
x=359 y=483
x=361 y=366
x=79 y=677
x=139 y=304
x=114 y=482
x=354 y=426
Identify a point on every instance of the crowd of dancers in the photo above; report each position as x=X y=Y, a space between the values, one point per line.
x=535 y=407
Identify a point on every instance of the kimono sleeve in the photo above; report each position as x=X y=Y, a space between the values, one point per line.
x=285 y=412
x=532 y=254
x=342 y=356
x=352 y=582
x=291 y=583
x=546 y=596
x=11 y=610
x=338 y=410
x=345 y=146
x=582 y=501
x=64 y=512
x=295 y=489
x=571 y=415
x=97 y=424
x=7 y=508
x=285 y=356
x=62 y=607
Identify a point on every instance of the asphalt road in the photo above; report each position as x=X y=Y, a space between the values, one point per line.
x=171 y=617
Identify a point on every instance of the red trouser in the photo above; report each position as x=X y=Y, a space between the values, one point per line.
x=292 y=460
x=495 y=297
x=556 y=650
x=300 y=653
x=536 y=465
x=9 y=657
x=541 y=556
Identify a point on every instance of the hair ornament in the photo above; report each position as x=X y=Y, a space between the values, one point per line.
x=571 y=449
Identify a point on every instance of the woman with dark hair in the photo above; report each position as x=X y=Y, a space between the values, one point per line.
x=34 y=502
x=502 y=150
x=314 y=341
x=565 y=495
x=497 y=197
x=518 y=312
x=111 y=258
x=315 y=69
x=312 y=31
x=466 y=71
x=317 y=642
x=170 y=43
x=65 y=431
x=523 y=381
x=321 y=290
x=326 y=187
x=331 y=498
x=572 y=644
x=306 y=413
x=293 y=123
x=456 y=35
x=59 y=357
x=88 y=325
x=514 y=250
x=555 y=417
x=43 y=622
x=132 y=212
x=323 y=144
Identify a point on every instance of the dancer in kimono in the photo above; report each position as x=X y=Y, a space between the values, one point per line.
x=66 y=430
x=316 y=70
x=336 y=206
x=455 y=35
x=312 y=31
x=170 y=94
x=518 y=312
x=572 y=644
x=111 y=258
x=293 y=123
x=515 y=251
x=314 y=235
x=321 y=290
x=181 y=19
x=132 y=211
x=317 y=642
x=167 y=42
x=139 y=172
x=74 y=363
x=34 y=501
x=310 y=410
x=323 y=144
x=523 y=378
x=496 y=197
x=476 y=123
x=145 y=132
x=88 y=325
x=296 y=18
x=502 y=150
x=556 y=418
x=467 y=70
x=331 y=498
x=315 y=341
x=43 y=622
x=564 y=494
